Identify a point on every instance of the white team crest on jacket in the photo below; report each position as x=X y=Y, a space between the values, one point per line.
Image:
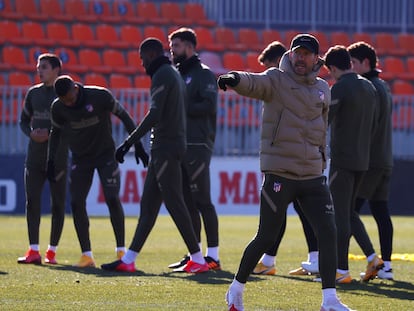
x=188 y=80
x=277 y=186
x=89 y=107
x=321 y=95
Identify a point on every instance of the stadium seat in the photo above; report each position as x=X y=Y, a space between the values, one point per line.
x=206 y=41
x=92 y=59
x=131 y=35
x=134 y=61
x=364 y=36
x=402 y=87
x=30 y=10
x=54 y=11
x=142 y=82
x=213 y=60
x=126 y=11
x=386 y=44
x=10 y=33
x=289 y=35
x=149 y=12
x=78 y=11
x=59 y=33
x=250 y=39
x=119 y=81
x=405 y=42
x=172 y=13
x=70 y=61
x=84 y=33
x=226 y=36
x=35 y=32
x=102 y=10
x=95 y=79
x=116 y=60
x=340 y=38
x=34 y=52
x=270 y=35
x=252 y=62
x=16 y=58
x=7 y=11
x=156 y=32
x=233 y=61
x=195 y=12
x=324 y=43
x=20 y=79
x=393 y=67
x=108 y=34
x=410 y=68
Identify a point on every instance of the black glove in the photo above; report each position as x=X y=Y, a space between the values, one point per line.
x=229 y=79
x=50 y=171
x=121 y=151
x=141 y=154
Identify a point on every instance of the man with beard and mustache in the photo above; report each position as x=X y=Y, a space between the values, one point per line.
x=292 y=159
x=201 y=115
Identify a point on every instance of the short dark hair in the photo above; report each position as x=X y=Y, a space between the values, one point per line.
x=63 y=84
x=53 y=59
x=273 y=51
x=185 y=34
x=361 y=50
x=152 y=44
x=339 y=57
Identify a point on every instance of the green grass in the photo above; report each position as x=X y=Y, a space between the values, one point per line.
x=154 y=287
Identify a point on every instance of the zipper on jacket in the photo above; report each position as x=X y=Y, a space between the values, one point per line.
x=276 y=128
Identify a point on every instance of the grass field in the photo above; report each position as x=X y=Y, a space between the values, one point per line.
x=154 y=287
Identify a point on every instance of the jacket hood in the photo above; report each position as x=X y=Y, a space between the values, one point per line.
x=310 y=78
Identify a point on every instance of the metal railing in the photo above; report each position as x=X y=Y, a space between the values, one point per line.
x=238 y=122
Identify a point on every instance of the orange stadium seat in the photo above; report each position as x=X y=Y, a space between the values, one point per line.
x=131 y=35
x=149 y=12
x=102 y=10
x=206 y=41
x=33 y=54
x=252 y=62
x=233 y=61
x=59 y=33
x=340 y=38
x=250 y=39
x=70 y=61
x=7 y=11
x=323 y=39
x=195 y=12
x=270 y=35
x=116 y=60
x=35 y=32
x=30 y=10
x=289 y=35
x=10 y=33
x=95 y=79
x=119 y=81
x=142 y=82
x=393 y=68
x=402 y=87
x=172 y=13
x=84 y=33
x=410 y=67
x=405 y=42
x=92 y=59
x=363 y=36
x=157 y=32
x=78 y=11
x=134 y=61
x=386 y=44
x=20 y=79
x=126 y=11
x=54 y=11
x=16 y=58
x=226 y=36
x=108 y=34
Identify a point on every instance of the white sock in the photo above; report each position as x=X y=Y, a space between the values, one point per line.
x=268 y=260
x=236 y=286
x=213 y=252
x=34 y=247
x=342 y=271
x=122 y=248
x=371 y=257
x=52 y=248
x=88 y=253
x=313 y=256
x=129 y=257
x=328 y=294
x=387 y=265
x=197 y=257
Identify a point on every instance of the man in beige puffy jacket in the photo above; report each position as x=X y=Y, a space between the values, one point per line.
x=292 y=159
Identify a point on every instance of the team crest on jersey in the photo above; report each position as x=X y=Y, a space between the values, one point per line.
x=277 y=186
x=188 y=80
x=89 y=107
x=321 y=95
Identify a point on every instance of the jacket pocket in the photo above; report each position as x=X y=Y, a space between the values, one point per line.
x=276 y=128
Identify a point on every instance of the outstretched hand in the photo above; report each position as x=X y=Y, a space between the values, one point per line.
x=228 y=79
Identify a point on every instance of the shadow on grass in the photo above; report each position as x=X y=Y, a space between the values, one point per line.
x=3 y=272
x=393 y=289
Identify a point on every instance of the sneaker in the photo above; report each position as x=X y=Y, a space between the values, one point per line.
x=120 y=254
x=335 y=305
x=234 y=301
x=311 y=266
x=32 y=257
x=50 y=257
x=120 y=266
x=85 y=262
x=263 y=269
x=299 y=271
x=193 y=267
x=212 y=263
x=181 y=263
x=372 y=269
x=340 y=278
x=385 y=274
